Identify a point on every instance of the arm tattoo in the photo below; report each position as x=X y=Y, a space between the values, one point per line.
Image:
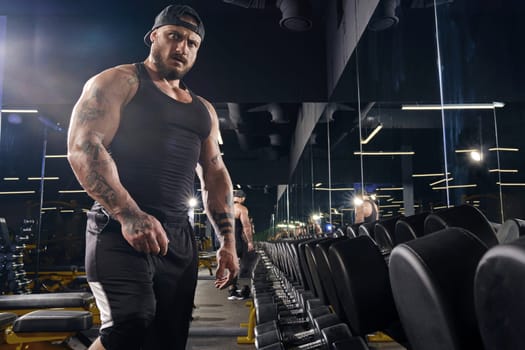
x=99 y=186
x=224 y=222
x=92 y=109
x=134 y=223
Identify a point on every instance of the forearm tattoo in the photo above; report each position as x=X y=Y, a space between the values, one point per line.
x=224 y=222
x=98 y=186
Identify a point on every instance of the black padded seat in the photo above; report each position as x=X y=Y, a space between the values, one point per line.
x=326 y=274
x=367 y=229
x=510 y=230
x=409 y=228
x=465 y=216
x=499 y=290
x=53 y=321
x=362 y=284
x=432 y=280
x=6 y=319
x=383 y=234
x=46 y=301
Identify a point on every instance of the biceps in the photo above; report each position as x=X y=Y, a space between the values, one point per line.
x=211 y=158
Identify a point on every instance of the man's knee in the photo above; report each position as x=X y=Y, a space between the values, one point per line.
x=127 y=335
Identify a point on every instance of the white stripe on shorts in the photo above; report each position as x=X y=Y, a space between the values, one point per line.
x=102 y=304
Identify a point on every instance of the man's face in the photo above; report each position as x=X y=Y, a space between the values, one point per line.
x=239 y=199
x=174 y=49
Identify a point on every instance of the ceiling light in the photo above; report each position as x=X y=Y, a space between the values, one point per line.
x=429 y=174
x=11 y=178
x=18 y=192
x=443 y=207
x=382 y=153
x=436 y=107
x=72 y=191
x=454 y=186
x=19 y=110
x=504 y=149
x=510 y=183
x=476 y=156
x=440 y=181
x=390 y=189
x=56 y=155
x=45 y=178
x=390 y=206
x=466 y=150
x=503 y=170
x=372 y=134
x=318 y=184
x=357 y=201
x=67 y=211
x=192 y=202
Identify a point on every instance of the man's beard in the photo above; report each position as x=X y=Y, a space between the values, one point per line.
x=164 y=71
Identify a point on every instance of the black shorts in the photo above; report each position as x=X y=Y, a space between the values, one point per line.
x=143 y=298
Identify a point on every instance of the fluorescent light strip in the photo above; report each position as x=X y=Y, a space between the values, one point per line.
x=387 y=215
x=435 y=107
x=442 y=207
x=334 y=189
x=11 y=178
x=318 y=184
x=390 y=206
x=429 y=174
x=45 y=178
x=499 y=171
x=510 y=183
x=466 y=150
x=18 y=192
x=440 y=181
x=390 y=200
x=382 y=153
x=383 y=196
x=454 y=186
x=67 y=211
x=390 y=189
x=372 y=134
x=72 y=191
x=49 y=208
x=56 y=155
x=19 y=110
x=398 y=202
x=504 y=149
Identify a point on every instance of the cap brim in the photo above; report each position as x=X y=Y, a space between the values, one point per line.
x=147 y=40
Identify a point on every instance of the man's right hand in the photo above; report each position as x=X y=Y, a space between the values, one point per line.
x=227 y=266
x=144 y=232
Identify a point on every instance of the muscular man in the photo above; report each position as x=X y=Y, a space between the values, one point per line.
x=366 y=212
x=243 y=243
x=136 y=136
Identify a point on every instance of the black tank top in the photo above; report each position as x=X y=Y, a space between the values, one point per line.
x=238 y=230
x=157 y=147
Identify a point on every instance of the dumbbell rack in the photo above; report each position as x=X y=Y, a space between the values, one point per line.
x=13 y=279
x=289 y=317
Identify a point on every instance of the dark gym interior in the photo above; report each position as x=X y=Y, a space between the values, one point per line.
x=418 y=105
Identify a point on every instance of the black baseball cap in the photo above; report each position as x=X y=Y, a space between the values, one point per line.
x=239 y=194
x=172 y=14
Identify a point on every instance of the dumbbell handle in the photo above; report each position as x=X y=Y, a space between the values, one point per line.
x=309 y=346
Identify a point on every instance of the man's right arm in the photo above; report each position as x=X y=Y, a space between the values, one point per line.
x=94 y=121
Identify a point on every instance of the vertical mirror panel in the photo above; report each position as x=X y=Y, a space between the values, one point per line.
x=481 y=74
x=402 y=150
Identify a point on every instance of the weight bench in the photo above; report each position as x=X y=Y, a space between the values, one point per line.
x=21 y=304
x=207 y=260
x=42 y=327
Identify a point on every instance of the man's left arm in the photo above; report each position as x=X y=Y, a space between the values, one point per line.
x=217 y=197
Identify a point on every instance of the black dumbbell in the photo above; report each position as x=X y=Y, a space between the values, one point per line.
x=329 y=336
x=269 y=311
x=283 y=323
x=296 y=336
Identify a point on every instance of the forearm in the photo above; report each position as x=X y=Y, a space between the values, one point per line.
x=218 y=202
x=97 y=174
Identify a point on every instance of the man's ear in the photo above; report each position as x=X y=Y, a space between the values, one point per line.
x=153 y=36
